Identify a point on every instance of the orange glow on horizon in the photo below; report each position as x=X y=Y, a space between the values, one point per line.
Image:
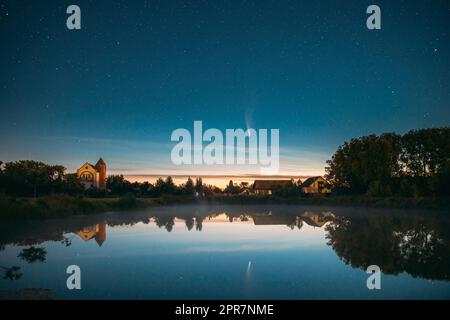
x=219 y=181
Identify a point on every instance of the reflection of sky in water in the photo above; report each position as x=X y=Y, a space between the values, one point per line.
x=224 y=260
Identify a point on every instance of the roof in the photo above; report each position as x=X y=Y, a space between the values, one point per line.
x=100 y=162
x=264 y=220
x=310 y=181
x=314 y=219
x=270 y=184
x=87 y=164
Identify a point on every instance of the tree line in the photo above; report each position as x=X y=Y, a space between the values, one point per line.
x=414 y=164
x=410 y=165
x=118 y=185
x=28 y=178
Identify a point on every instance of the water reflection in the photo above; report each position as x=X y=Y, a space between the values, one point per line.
x=417 y=243
x=97 y=232
x=11 y=273
x=33 y=254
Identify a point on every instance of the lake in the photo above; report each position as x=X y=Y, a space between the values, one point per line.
x=230 y=252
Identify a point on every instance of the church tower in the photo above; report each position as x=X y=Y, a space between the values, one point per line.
x=100 y=236
x=101 y=168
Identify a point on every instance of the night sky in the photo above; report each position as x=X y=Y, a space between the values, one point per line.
x=138 y=69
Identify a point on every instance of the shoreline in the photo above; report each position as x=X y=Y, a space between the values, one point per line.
x=13 y=209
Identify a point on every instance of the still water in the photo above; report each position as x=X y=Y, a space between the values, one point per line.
x=230 y=252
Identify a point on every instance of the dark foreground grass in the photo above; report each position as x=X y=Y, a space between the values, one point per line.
x=60 y=206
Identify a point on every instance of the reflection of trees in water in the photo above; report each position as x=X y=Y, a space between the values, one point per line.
x=165 y=221
x=30 y=255
x=67 y=241
x=416 y=243
x=33 y=254
x=198 y=223
x=418 y=246
x=168 y=222
x=298 y=222
x=11 y=273
x=244 y=218
x=189 y=223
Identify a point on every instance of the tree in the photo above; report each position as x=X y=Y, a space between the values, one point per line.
x=169 y=186
x=189 y=187
x=365 y=161
x=118 y=185
x=417 y=163
x=199 y=186
x=32 y=178
x=144 y=188
x=2 y=182
x=426 y=152
x=72 y=185
x=231 y=188
x=290 y=189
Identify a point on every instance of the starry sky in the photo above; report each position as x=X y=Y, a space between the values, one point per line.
x=137 y=70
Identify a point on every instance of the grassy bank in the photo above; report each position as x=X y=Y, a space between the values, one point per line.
x=60 y=206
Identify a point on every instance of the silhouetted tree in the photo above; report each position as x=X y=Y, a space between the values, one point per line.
x=118 y=185
x=231 y=188
x=416 y=163
x=189 y=187
x=199 y=186
x=169 y=186
x=288 y=190
x=31 y=178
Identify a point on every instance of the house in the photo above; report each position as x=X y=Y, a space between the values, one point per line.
x=310 y=218
x=98 y=232
x=271 y=220
x=315 y=185
x=317 y=220
x=93 y=176
x=267 y=187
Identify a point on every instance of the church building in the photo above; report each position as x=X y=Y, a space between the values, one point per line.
x=93 y=176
